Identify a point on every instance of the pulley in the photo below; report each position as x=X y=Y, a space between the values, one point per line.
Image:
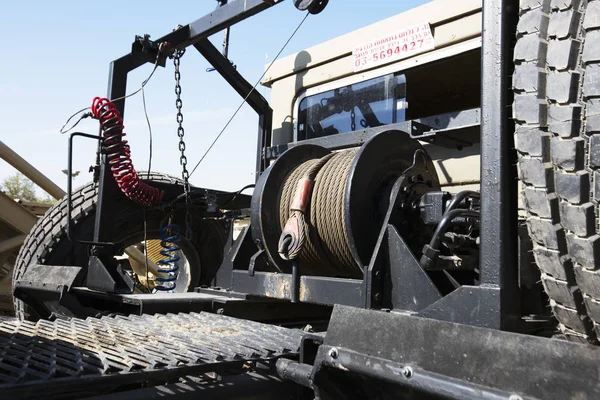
x=313 y=6
x=348 y=197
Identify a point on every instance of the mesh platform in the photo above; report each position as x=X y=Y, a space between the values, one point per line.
x=69 y=357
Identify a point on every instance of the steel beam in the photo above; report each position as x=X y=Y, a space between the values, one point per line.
x=12 y=243
x=223 y=66
x=15 y=215
x=498 y=258
x=227 y=15
x=14 y=159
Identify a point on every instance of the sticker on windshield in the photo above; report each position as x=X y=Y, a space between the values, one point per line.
x=404 y=43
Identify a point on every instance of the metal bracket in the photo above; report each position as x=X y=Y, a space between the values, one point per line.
x=108 y=278
x=148 y=50
x=45 y=289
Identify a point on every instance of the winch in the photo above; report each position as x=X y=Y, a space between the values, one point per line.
x=323 y=209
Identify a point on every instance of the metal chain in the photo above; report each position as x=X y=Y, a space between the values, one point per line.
x=185 y=175
x=352 y=120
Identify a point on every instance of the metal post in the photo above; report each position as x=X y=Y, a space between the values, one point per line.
x=265 y=122
x=108 y=190
x=498 y=257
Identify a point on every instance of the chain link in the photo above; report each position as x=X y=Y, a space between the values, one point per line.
x=185 y=175
x=352 y=120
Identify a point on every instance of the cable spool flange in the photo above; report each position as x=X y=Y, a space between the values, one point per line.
x=364 y=178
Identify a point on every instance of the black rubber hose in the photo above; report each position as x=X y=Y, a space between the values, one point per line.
x=431 y=250
x=460 y=196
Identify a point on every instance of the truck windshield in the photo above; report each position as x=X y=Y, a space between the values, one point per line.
x=374 y=102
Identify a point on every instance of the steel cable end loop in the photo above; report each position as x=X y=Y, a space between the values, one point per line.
x=289 y=245
x=293 y=237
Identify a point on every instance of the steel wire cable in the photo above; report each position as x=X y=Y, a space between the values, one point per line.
x=326 y=244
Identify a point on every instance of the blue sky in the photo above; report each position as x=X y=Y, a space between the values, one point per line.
x=56 y=56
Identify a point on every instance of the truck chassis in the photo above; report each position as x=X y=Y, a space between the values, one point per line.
x=461 y=346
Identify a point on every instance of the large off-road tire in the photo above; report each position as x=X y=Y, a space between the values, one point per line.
x=556 y=110
x=47 y=242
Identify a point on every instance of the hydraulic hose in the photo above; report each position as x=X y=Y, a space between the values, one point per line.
x=119 y=155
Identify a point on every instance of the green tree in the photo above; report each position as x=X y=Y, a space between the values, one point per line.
x=18 y=186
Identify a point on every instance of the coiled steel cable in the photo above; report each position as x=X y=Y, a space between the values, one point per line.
x=325 y=241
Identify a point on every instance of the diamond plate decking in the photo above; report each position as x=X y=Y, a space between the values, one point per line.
x=70 y=357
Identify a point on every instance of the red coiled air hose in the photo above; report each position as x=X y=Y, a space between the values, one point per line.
x=119 y=155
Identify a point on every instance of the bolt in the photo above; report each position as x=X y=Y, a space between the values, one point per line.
x=333 y=353
x=377 y=273
x=407 y=372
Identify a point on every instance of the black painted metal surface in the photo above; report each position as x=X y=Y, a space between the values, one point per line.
x=447 y=130
x=67 y=358
x=498 y=257
x=454 y=360
x=378 y=163
x=46 y=288
x=312 y=289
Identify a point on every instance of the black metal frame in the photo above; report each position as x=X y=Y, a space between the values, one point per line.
x=497 y=296
x=497 y=292
x=195 y=34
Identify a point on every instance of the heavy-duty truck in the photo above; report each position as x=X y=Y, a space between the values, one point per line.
x=424 y=224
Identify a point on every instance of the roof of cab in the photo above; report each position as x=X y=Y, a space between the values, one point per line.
x=436 y=13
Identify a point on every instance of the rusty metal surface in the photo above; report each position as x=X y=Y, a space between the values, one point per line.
x=47 y=358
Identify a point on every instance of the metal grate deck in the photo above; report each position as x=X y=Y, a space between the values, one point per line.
x=68 y=357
